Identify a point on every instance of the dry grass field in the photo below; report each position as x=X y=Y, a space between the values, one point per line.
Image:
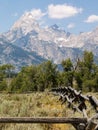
x=34 y=105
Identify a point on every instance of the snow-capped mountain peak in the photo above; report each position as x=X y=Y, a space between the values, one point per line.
x=50 y=42
x=26 y=23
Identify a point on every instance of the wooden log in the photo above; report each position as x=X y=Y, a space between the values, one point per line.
x=42 y=120
x=91 y=123
x=91 y=126
x=96 y=128
x=80 y=126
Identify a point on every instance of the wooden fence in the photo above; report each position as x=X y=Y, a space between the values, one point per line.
x=42 y=120
x=78 y=123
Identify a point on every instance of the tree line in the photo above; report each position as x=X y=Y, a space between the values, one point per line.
x=81 y=74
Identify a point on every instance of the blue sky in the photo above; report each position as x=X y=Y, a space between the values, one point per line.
x=74 y=16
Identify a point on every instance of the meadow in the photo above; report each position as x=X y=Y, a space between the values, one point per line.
x=33 y=105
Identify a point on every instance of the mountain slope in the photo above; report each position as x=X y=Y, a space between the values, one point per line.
x=54 y=43
x=11 y=54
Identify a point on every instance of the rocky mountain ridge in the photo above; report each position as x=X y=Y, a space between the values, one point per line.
x=51 y=43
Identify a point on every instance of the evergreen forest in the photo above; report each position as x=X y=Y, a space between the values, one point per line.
x=81 y=75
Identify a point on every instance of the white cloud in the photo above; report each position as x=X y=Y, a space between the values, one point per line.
x=62 y=11
x=37 y=14
x=71 y=25
x=92 y=19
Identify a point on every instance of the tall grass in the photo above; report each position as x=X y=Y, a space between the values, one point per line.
x=33 y=105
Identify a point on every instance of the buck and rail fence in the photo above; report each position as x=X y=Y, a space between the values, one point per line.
x=78 y=123
x=42 y=120
x=61 y=120
x=76 y=101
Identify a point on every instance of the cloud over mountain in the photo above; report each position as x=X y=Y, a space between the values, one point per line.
x=92 y=19
x=36 y=14
x=71 y=25
x=62 y=11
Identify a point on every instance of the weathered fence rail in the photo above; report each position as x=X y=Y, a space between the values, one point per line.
x=42 y=120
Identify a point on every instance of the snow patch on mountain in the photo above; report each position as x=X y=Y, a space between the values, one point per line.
x=26 y=23
x=51 y=42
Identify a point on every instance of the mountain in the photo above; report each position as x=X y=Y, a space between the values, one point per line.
x=27 y=38
x=11 y=54
x=48 y=42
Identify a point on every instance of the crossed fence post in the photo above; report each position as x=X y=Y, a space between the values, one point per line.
x=73 y=97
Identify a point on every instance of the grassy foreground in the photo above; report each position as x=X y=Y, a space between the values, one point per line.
x=33 y=105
